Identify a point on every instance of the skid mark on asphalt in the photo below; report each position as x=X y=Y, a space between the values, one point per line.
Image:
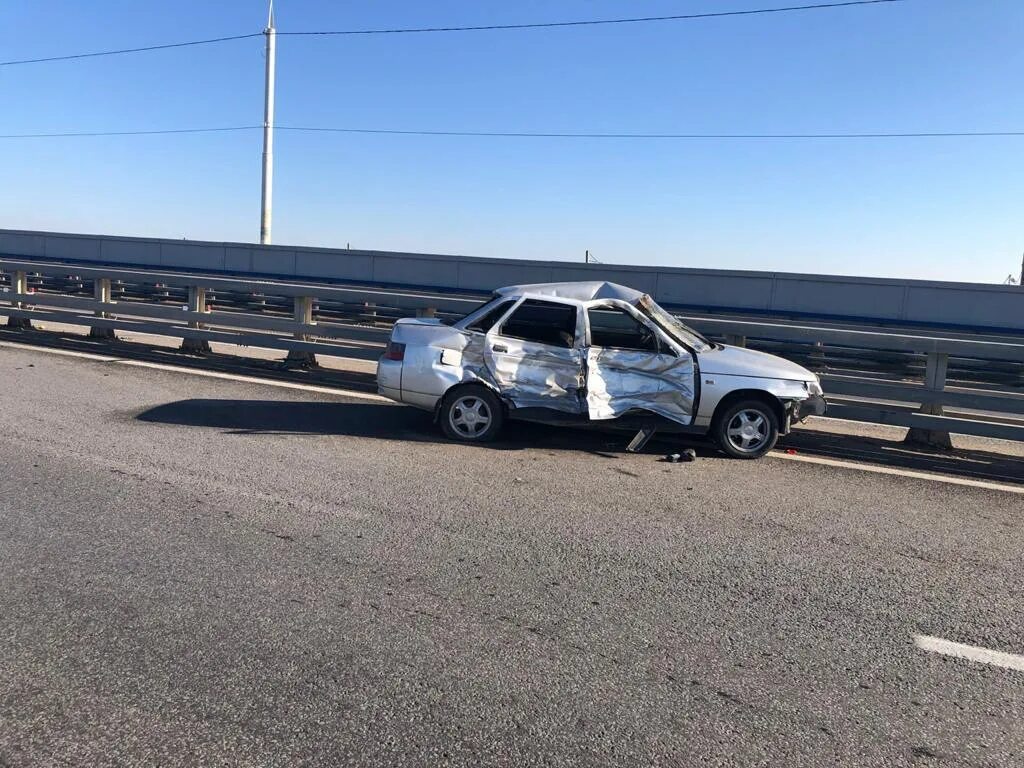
x=622 y=471
x=969 y=652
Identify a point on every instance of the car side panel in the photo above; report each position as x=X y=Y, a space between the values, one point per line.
x=533 y=375
x=716 y=386
x=423 y=374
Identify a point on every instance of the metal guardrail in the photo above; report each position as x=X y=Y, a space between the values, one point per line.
x=844 y=299
x=930 y=408
x=196 y=321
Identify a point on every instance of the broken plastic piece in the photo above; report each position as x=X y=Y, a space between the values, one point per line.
x=675 y=458
x=638 y=442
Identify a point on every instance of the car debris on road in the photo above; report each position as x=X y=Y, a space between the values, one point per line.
x=686 y=455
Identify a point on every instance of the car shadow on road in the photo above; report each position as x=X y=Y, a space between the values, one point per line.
x=395 y=423
x=283 y=417
x=390 y=422
x=385 y=422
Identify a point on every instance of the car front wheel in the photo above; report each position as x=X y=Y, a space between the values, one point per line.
x=747 y=430
x=471 y=414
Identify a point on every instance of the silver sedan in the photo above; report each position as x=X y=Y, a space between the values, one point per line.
x=592 y=354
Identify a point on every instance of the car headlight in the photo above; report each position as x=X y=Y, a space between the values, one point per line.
x=813 y=387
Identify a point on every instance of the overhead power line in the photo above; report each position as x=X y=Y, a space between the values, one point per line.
x=594 y=22
x=130 y=50
x=479 y=28
x=531 y=134
x=77 y=134
x=560 y=135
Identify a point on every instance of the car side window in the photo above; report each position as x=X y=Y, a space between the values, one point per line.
x=487 y=320
x=544 y=322
x=614 y=328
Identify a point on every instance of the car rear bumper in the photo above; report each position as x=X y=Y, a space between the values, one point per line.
x=389 y=377
x=391 y=394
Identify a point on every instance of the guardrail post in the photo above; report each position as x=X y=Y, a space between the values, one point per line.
x=19 y=285
x=101 y=292
x=299 y=358
x=735 y=340
x=934 y=380
x=196 y=303
x=426 y=312
x=816 y=357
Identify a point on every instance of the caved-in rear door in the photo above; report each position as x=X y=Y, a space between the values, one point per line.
x=535 y=358
x=632 y=366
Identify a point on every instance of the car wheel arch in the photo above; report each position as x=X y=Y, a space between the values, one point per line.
x=463 y=385
x=738 y=395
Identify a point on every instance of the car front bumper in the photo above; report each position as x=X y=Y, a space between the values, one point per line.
x=814 y=405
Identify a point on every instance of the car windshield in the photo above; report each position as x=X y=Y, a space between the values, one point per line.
x=674 y=326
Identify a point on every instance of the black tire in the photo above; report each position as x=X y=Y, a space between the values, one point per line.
x=471 y=414
x=751 y=438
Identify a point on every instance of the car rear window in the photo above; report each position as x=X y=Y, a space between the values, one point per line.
x=486 y=321
x=544 y=322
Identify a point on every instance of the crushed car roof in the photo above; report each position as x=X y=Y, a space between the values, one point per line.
x=583 y=291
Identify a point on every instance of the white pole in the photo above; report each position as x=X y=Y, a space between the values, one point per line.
x=268 y=133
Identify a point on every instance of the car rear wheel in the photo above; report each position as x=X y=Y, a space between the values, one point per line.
x=747 y=430
x=471 y=414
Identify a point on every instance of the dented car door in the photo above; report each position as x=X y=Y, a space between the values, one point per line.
x=535 y=356
x=632 y=365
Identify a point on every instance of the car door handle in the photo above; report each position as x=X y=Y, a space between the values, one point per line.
x=499 y=348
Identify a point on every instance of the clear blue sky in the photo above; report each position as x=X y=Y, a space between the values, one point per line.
x=925 y=208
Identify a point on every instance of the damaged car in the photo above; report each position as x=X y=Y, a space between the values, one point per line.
x=592 y=354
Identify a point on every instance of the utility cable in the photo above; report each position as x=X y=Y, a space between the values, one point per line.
x=534 y=135
x=549 y=135
x=594 y=22
x=128 y=133
x=479 y=28
x=130 y=50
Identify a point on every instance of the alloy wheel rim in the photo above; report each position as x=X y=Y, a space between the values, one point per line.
x=748 y=431
x=469 y=416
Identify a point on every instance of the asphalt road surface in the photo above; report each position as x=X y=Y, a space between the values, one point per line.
x=197 y=571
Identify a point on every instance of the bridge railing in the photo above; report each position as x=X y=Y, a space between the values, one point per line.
x=921 y=406
x=883 y=377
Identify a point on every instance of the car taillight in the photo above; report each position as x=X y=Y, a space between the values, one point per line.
x=395 y=351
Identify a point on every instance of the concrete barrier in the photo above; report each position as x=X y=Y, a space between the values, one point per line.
x=910 y=302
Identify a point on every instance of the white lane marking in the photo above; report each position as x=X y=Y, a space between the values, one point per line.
x=969 y=652
x=901 y=472
x=64 y=352
x=196 y=372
